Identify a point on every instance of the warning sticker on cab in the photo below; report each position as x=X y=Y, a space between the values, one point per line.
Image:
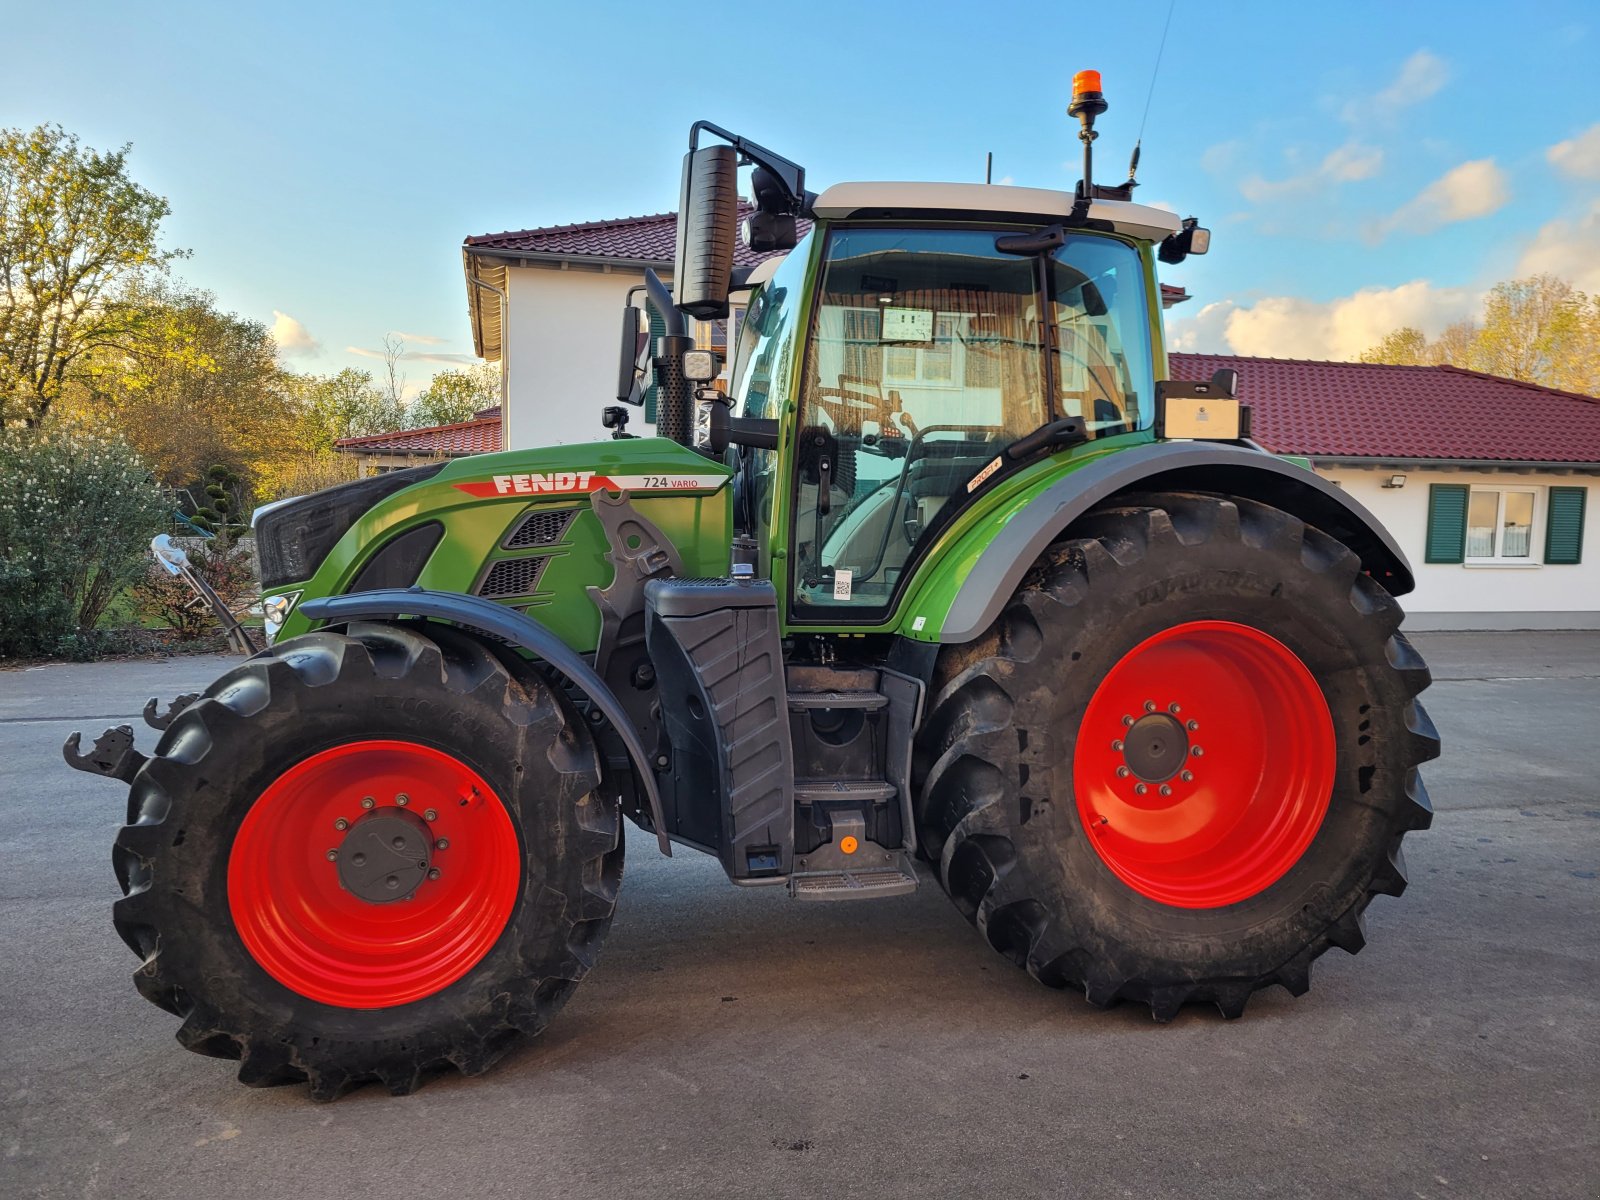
x=560 y=483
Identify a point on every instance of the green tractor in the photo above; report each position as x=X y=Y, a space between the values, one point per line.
x=951 y=581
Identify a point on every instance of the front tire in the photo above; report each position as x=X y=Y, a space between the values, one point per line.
x=368 y=855
x=1180 y=764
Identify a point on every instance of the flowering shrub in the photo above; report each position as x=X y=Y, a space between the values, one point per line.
x=77 y=511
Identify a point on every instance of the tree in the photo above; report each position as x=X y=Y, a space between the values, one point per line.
x=456 y=395
x=75 y=231
x=1537 y=330
x=1518 y=320
x=346 y=404
x=192 y=386
x=1405 y=347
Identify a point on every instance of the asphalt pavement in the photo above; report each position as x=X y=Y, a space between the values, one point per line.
x=736 y=1043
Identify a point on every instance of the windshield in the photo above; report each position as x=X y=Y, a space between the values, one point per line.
x=931 y=352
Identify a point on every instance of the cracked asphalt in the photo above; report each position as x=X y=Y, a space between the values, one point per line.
x=734 y=1043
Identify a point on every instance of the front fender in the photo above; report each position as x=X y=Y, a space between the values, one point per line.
x=496 y=620
x=1231 y=470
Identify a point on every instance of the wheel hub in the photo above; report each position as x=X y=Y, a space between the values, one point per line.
x=385 y=856
x=1155 y=747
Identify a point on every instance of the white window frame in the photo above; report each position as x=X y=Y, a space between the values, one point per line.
x=1535 y=530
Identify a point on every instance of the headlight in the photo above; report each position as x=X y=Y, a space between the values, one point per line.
x=275 y=611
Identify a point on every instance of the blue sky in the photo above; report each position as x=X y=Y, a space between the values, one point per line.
x=1362 y=165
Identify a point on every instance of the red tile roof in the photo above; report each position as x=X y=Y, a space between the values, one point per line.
x=481 y=435
x=649 y=239
x=1369 y=410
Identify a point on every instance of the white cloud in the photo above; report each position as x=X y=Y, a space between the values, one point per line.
x=1568 y=249
x=1578 y=157
x=448 y=359
x=1348 y=163
x=422 y=339
x=1336 y=330
x=292 y=337
x=1463 y=193
x=1420 y=76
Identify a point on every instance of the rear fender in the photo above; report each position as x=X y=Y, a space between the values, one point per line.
x=1229 y=470
x=496 y=620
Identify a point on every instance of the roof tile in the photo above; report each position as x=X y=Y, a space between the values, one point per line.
x=481 y=435
x=1373 y=410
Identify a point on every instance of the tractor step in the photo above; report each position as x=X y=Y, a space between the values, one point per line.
x=854 y=791
x=868 y=883
x=801 y=701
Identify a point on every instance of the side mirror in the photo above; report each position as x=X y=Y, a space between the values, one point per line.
x=708 y=220
x=1226 y=382
x=1190 y=239
x=635 y=341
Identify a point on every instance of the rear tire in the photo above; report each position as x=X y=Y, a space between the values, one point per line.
x=237 y=906
x=1265 y=630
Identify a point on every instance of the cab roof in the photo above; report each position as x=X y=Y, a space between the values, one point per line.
x=987 y=200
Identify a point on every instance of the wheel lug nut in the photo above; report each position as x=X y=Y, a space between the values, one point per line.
x=1117 y=745
x=402 y=799
x=1140 y=789
x=1174 y=709
x=367 y=802
x=442 y=844
x=341 y=824
x=1122 y=772
x=431 y=815
x=433 y=872
x=1191 y=724
x=1187 y=776
x=1166 y=789
x=1197 y=751
x=1149 y=706
x=333 y=856
x=1127 y=720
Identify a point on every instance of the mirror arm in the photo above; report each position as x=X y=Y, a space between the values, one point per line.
x=661 y=297
x=790 y=174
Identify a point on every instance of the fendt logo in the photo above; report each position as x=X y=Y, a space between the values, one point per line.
x=556 y=481
x=570 y=482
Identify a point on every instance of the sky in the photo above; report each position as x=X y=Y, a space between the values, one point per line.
x=1361 y=165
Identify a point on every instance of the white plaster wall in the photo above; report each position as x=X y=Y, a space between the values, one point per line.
x=561 y=346
x=1451 y=588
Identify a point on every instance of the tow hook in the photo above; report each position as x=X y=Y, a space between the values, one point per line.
x=113 y=754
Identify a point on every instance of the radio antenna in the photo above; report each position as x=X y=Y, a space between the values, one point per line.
x=1155 y=71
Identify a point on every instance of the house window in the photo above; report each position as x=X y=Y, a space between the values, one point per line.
x=1500 y=525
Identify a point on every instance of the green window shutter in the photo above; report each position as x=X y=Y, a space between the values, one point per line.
x=1563 y=531
x=658 y=329
x=1447 y=523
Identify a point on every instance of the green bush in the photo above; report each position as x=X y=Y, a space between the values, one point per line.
x=77 y=511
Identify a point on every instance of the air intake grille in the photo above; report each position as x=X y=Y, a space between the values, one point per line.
x=513 y=577
x=540 y=528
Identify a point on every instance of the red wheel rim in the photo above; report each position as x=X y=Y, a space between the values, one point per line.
x=1204 y=764
x=309 y=932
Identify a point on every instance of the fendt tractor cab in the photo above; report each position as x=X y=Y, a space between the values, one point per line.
x=953 y=581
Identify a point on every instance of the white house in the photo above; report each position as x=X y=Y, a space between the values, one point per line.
x=1484 y=482
x=547 y=305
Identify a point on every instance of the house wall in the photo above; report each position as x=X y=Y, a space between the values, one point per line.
x=561 y=345
x=1534 y=595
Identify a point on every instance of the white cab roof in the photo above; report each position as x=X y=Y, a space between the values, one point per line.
x=987 y=199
